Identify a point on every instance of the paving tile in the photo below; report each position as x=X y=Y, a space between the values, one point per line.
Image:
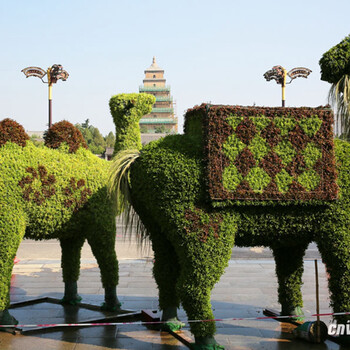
x=142 y=285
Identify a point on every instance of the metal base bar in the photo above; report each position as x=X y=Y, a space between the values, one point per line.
x=12 y=331
x=128 y=317
x=275 y=313
x=122 y=315
x=58 y=302
x=187 y=341
x=152 y=316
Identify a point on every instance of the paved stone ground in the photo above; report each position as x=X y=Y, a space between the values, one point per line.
x=244 y=290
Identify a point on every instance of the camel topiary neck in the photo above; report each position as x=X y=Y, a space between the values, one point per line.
x=127 y=110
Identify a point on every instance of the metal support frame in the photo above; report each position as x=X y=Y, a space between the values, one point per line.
x=152 y=316
x=122 y=315
x=275 y=313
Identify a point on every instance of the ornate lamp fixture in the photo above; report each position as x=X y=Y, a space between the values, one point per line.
x=279 y=74
x=54 y=73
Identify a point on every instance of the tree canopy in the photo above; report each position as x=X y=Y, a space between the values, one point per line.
x=94 y=139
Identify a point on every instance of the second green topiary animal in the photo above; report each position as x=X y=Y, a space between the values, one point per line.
x=59 y=194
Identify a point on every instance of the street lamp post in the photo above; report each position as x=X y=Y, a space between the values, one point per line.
x=279 y=74
x=53 y=74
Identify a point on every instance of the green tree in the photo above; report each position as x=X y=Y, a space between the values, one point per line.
x=160 y=129
x=85 y=125
x=110 y=139
x=98 y=140
x=335 y=69
x=36 y=139
x=95 y=141
x=143 y=129
x=86 y=131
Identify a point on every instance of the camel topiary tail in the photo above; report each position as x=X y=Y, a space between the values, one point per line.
x=119 y=189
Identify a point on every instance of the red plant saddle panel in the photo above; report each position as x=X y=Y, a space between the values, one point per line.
x=259 y=154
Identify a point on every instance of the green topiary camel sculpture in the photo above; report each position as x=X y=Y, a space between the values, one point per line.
x=246 y=176
x=59 y=193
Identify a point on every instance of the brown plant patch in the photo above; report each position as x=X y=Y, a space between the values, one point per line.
x=77 y=194
x=197 y=224
x=46 y=189
x=245 y=161
x=296 y=166
x=272 y=134
x=272 y=164
x=246 y=131
x=298 y=138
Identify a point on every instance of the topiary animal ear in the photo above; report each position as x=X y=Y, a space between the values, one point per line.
x=12 y=131
x=144 y=103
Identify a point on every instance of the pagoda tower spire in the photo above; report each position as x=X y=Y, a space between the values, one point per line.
x=161 y=118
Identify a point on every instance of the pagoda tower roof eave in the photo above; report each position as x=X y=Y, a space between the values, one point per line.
x=155 y=70
x=154 y=80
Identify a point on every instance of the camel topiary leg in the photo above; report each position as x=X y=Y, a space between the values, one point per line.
x=166 y=271
x=204 y=255
x=12 y=228
x=71 y=252
x=102 y=244
x=289 y=271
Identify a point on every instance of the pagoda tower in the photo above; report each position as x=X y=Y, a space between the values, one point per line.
x=162 y=118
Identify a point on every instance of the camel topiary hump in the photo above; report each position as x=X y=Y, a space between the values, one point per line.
x=64 y=131
x=11 y=131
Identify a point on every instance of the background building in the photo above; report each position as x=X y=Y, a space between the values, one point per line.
x=162 y=118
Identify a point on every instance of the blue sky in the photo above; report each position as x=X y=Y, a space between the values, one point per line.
x=211 y=51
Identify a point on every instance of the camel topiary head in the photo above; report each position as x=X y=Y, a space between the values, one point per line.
x=127 y=110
